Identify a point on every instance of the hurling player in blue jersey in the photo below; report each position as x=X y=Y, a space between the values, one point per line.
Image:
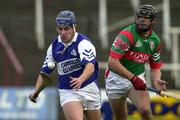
x=75 y=59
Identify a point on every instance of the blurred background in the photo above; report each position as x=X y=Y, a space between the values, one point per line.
x=27 y=27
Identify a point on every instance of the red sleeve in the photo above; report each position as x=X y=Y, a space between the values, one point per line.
x=156 y=65
x=115 y=54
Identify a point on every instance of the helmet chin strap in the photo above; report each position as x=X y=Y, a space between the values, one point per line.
x=74 y=28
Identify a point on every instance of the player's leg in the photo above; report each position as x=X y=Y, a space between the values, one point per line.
x=91 y=100
x=119 y=108
x=73 y=110
x=93 y=114
x=141 y=100
x=117 y=89
x=71 y=104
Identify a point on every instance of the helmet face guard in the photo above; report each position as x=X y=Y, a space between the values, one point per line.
x=65 y=18
x=144 y=13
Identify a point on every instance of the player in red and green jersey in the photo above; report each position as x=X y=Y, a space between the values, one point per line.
x=134 y=46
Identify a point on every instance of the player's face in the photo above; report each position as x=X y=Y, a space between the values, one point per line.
x=66 y=33
x=144 y=24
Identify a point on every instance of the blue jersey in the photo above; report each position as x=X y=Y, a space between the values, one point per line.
x=70 y=59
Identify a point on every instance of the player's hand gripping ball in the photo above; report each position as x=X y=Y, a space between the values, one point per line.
x=51 y=65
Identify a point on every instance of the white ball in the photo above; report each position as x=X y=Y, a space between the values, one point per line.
x=50 y=65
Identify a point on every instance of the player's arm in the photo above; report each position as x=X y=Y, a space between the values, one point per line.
x=155 y=65
x=42 y=81
x=87 y=54
x=119 y=47
x=76 y=82
x=155 y=74
x=89 y=69
x=156 y=79
x=137 y=82
x=114 y=64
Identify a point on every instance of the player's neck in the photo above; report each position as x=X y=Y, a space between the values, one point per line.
x=146 y=34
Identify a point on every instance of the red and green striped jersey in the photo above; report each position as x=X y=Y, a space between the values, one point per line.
x=133 y=51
